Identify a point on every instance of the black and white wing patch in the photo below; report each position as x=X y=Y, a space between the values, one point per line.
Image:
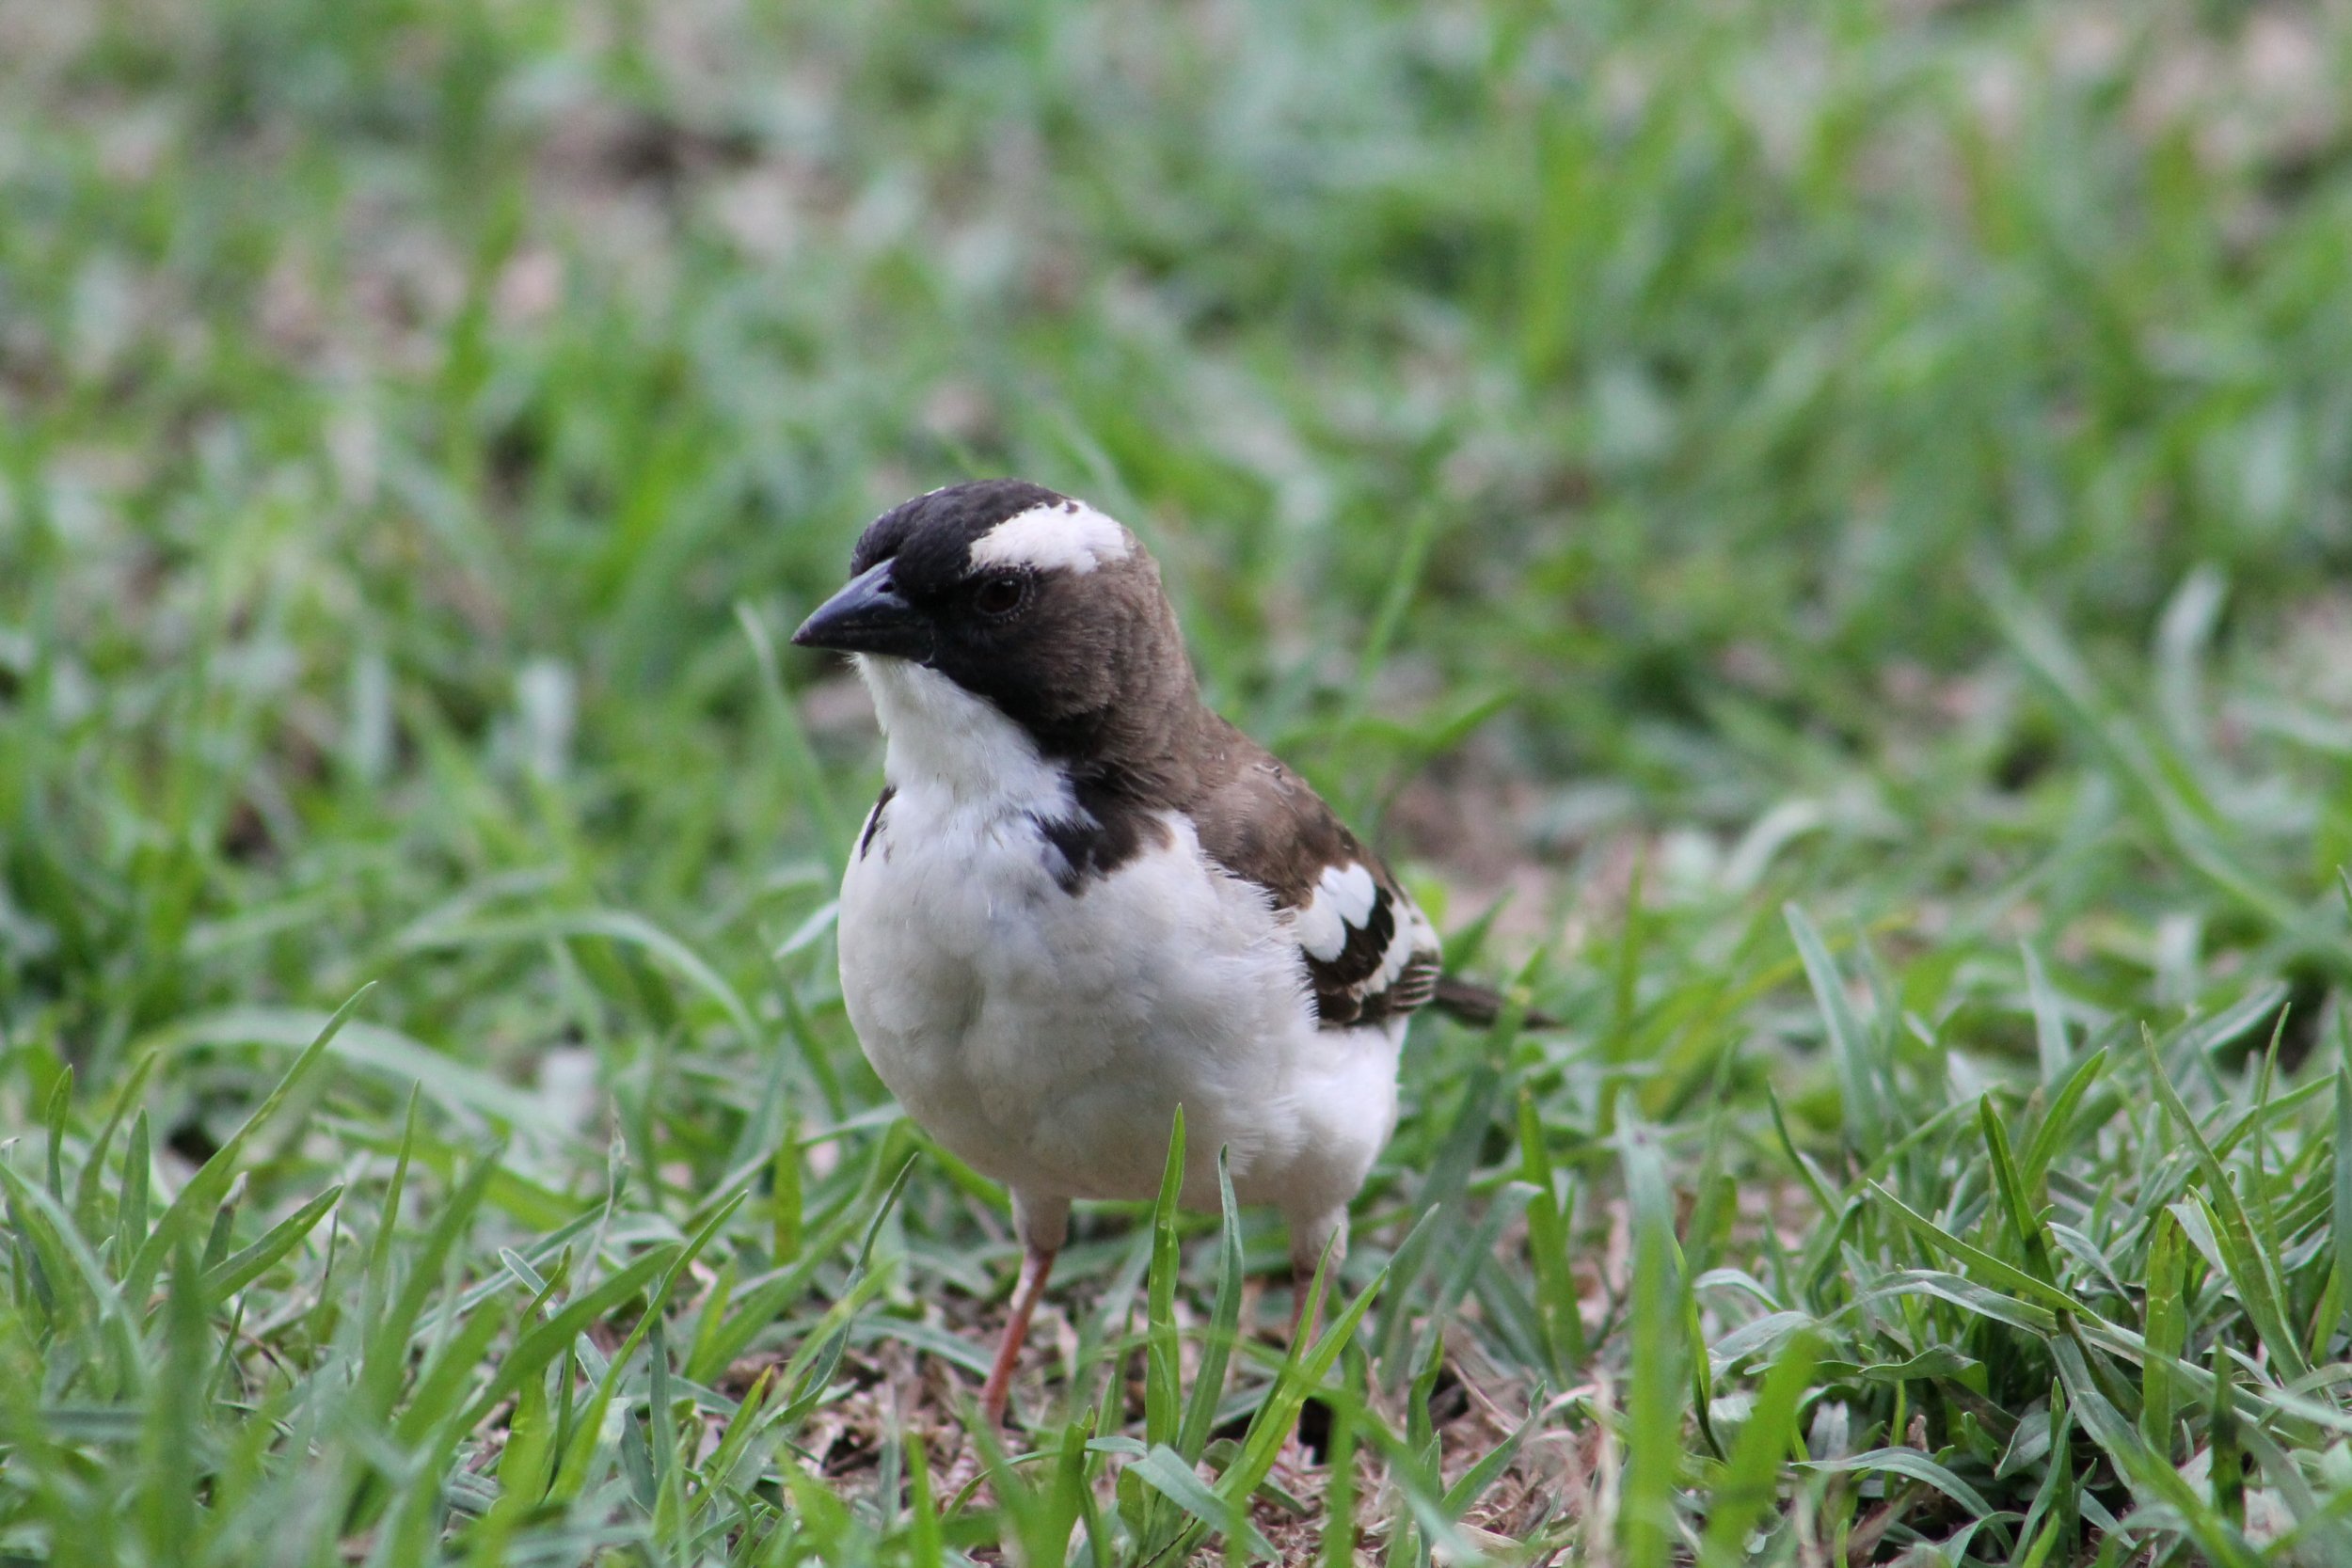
x=1371 y=953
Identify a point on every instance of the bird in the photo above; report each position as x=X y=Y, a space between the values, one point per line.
x=1084 y=900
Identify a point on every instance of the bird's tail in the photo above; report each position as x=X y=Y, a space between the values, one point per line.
x=1468 y=1002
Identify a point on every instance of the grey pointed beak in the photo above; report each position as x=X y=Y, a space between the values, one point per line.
x=867 y=616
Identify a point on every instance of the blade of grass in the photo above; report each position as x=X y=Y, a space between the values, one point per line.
x=1165 y=1471
x=1852 y=1050
x=1224 y=1328
x=1162 y=1374
x=2166 y=1334
x=1750 y=1483
x=86 y=1185
x=205 y=1190
x=2023 y=1222
x=1557 y=1299
x=235 y=1272
x=2341 y=1212
x=2049 y=1018
x=2250 y=1266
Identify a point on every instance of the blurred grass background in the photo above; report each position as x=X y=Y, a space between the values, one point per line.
x=402 y=398
x=1650 y=462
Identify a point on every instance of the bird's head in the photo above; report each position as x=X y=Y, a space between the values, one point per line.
x=1035 y=604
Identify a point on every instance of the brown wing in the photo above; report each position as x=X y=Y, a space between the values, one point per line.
x=1368 y=952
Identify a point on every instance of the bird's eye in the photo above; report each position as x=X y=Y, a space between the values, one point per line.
x=1000 y=595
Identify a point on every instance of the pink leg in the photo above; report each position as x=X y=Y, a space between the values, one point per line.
x=1035 y=1266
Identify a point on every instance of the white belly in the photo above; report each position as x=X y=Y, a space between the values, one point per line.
x=1047 y=1037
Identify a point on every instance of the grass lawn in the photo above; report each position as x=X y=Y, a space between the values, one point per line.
x=1816 y=535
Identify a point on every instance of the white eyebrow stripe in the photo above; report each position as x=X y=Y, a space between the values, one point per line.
x=1064 y=536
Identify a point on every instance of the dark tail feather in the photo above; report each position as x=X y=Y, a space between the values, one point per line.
x=1468 y=1002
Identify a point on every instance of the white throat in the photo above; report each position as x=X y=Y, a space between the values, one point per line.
x=941 y=740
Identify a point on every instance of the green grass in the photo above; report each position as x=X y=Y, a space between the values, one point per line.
x=1816 y=534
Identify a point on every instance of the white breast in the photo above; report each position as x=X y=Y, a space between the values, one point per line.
x=1046 y=1036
